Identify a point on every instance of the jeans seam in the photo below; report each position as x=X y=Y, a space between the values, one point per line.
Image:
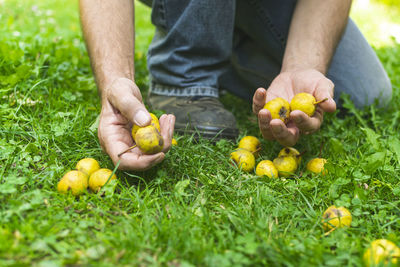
x=264 y=16
x=161 y=89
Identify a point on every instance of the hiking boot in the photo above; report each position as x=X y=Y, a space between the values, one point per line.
x=201 y=115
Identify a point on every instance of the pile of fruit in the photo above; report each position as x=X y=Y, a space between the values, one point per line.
x=87 y=174
x=284 y=165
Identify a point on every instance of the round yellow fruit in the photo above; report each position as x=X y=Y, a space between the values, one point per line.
x=290 y=151
x=382 y=252
x=266 y=168
x=87 y=165
x=304 y=102
x=154 y=122
x=279 y=109
x=286 y=165
x=244 y=159
x=99 y=178
x=250 y=143
x=174 y=142
x=335 y=217
x=317 y=166
x=74 y=181
x=149 y=140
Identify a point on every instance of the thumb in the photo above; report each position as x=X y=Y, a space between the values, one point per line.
x=125 y=96
x=325 y=89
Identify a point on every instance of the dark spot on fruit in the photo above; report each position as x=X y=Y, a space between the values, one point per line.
x=282 y=112
x=287 y=150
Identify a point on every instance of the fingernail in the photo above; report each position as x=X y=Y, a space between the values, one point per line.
x=141 y=118
x=298 y=120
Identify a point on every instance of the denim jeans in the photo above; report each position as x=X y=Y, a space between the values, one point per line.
x=202 y=46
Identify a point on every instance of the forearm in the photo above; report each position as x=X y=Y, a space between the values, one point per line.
x=108 y=29
x=315 y=31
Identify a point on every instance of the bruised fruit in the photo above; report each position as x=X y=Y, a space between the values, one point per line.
x=154 y=122
x=285 y=165
x=149 y=140
x=304 y=102
x=317 y=166
x=243 y=159
x=382 y=252
x=290 y=151
x=87 y=165
x=266 y=168
x=99 y=178
x=250 y=143
x=279 y=109
x=74 y=181
x=336 y=217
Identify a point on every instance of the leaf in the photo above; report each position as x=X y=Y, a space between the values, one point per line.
x=372 y=137
x=394 y=146
x=374 y=161
x=336 y=145
x=181 y=186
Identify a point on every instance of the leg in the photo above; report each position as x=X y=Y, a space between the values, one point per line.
x=191 y=48
x=356 y=70
x=259 y=46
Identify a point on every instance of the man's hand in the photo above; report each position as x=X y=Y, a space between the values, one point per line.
x=286 y=85
x=121 y=107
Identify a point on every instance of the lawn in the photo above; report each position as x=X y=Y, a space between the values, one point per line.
x=194 y=208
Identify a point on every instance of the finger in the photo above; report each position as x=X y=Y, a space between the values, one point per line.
x=305 y=123
x=167 y=123
x=286 y=136
x=259 y=99
x=264 y=119
x=131 y=160
x=125 y=96
x=325 y=89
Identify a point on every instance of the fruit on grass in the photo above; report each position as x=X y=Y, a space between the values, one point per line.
x=381 y=252
x=99 y=178
x=250 y=143
x=149 y=140
x=290 y=151
x=285 y=165
x=317 y=166
x=336 y=217
x=154 y=122
x=266 y=168
x=243 y=159
x=305 y=102
x=279 y=108
x=87 y=165
x=174 y=142
x=74 y=181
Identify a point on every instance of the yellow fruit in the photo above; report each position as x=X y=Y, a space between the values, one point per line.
x=290 y=151
x=266 y=168
x=251 y=144
x=244 y=159
x=154 y=122
x=279 y=108
x=382 y=252
x=286 y=165
x=149 y=140
x=87 y=165
x=335 y=217
x=317 y=166
x=304 y=102
x=74 y=181
x=174 y=142
x=99 y=178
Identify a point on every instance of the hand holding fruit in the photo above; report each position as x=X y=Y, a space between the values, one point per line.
x=122 y=107
x=286 y=85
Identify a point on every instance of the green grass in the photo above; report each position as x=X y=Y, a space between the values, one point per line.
x=194 y=208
